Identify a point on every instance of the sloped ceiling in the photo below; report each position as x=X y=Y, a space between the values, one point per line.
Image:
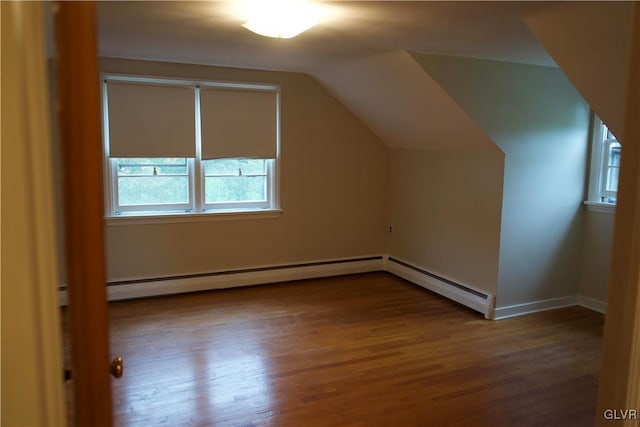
x=209 y=32
x=360 y=55
x=402 y=104
x=590 y=43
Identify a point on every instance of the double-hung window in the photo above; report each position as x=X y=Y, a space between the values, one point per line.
x=605 y=165
x=176 y=146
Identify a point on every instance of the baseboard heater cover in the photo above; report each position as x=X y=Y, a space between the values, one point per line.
x=139 y=288
x=473 y=298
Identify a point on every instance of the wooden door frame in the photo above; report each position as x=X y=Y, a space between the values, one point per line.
x=619 y=388
x=81 y=149
x=32 y=392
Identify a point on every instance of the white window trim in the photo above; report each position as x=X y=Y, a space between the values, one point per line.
x=185 y=217
x=606 y=146
x=608 y=208
x=596 y=170
x=198 y=210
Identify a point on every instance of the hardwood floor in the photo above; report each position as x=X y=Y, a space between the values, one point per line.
x=363 y=350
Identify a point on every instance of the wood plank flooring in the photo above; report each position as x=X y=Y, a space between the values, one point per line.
x=362 y=350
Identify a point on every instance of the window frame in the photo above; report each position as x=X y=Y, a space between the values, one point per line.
x=599 y=167
x=197 y=208
x=607 y=146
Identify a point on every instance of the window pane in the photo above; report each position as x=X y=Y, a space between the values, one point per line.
x=152 y=190
x=612 y=179
x=149 y=170
x=157 y=166
x=613 y=167
x=154 y=161
x=222 y=189
x=235 y=167
x=614 y=155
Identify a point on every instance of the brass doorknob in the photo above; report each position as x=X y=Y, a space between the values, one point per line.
x=117 y=367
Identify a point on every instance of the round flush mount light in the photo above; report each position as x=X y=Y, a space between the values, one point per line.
x=282 y=19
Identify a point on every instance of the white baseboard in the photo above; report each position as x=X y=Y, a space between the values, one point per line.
x=534 y=306
x=475 y=299
x=231 y=279
x=592 y=304
x=139 y=288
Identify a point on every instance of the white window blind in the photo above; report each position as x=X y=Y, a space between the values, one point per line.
x=147 y=120
x=238 y=123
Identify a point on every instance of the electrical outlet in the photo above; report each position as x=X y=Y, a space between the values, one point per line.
x=390 y=229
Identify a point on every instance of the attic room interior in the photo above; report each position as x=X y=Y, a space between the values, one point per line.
x=409 y=213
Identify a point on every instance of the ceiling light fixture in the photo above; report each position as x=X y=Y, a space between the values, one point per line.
x=282 y=19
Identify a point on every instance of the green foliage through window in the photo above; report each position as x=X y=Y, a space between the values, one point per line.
x=152 y=181
x=235 y=180
x=165 y=181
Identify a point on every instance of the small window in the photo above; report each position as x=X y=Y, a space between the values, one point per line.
x=611 y=167
x=605 y=165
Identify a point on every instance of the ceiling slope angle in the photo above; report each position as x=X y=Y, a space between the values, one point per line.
x=394 y=96
x=590 y=41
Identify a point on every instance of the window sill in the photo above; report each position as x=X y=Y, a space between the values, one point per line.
x=169 y=218
x=607 y=208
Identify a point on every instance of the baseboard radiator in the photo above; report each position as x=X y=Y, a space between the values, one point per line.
x=147 y=287
x=464 y=294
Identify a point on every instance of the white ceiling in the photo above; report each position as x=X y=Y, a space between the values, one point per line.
x=207 y=33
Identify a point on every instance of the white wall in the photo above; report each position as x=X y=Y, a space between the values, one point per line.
x=334 y=190
x=590 y=41
x=596 y=255
x=541 y=123
x=445 y=213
